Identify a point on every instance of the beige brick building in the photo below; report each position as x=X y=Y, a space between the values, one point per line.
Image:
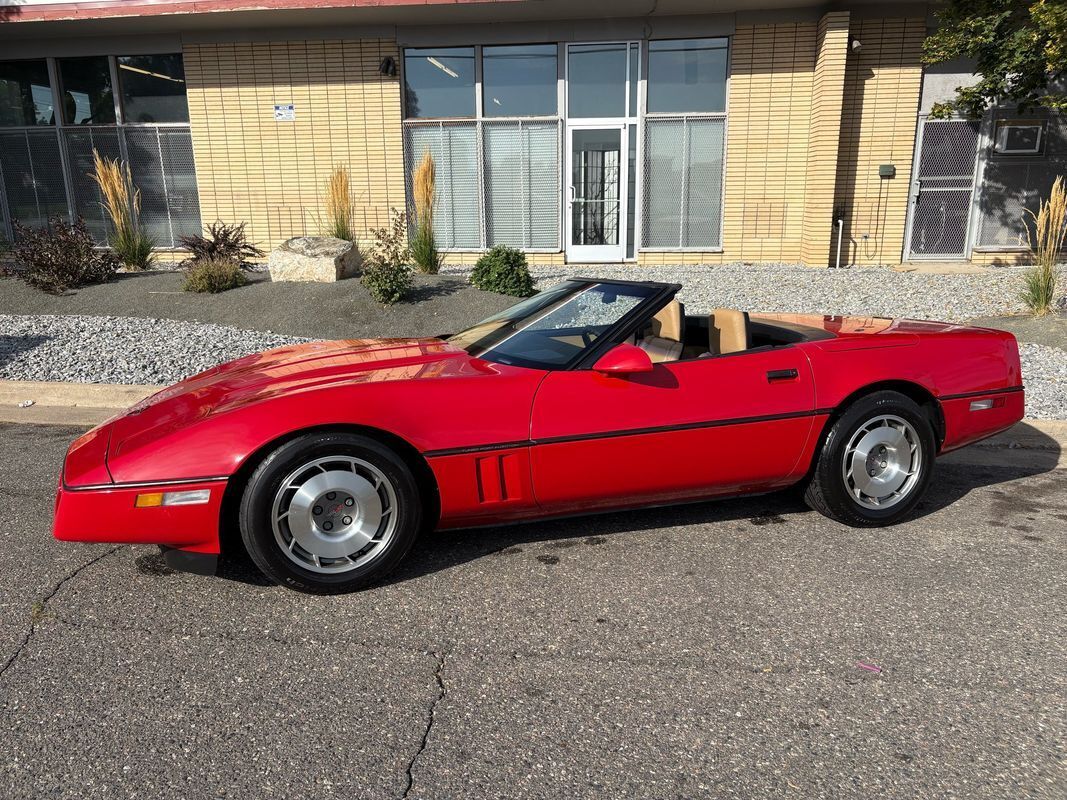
x=677 y=132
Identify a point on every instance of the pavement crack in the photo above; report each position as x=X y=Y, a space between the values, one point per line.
x=431 y=717
x=41 y=604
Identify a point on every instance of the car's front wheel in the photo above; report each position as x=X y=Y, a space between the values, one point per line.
x=328 y=513
x=875 y=462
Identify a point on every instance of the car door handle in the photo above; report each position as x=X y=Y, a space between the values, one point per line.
x=782 y=375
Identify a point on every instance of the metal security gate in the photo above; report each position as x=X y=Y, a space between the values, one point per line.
x=942 y=189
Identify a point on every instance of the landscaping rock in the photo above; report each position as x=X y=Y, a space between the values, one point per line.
x=322 y=259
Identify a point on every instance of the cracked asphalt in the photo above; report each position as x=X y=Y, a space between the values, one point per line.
x=739 y=649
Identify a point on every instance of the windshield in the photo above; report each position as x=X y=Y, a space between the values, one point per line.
x=554 y=328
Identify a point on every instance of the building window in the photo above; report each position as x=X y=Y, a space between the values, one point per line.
x=439 y=82
x=25 y=94
x=153 y=88
x=454 y=148
x=596 y=80
x=46 y=172
x=1013 y=185
x=687 y=76
x=683 y=183
x=522 y=165
x=498 y=169
x=684 y=144
x=86 y=91
x=519 y=81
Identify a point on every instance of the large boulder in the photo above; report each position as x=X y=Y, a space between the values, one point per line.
x=322 y=259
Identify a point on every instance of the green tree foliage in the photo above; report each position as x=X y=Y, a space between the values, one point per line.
x=1019 y=47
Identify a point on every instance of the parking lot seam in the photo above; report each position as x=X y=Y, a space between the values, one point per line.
x=430 y=719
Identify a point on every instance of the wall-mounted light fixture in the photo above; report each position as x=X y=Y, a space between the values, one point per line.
x=854 y=44
x=388 y=67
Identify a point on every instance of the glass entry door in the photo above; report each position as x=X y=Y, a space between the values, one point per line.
x=597 y=193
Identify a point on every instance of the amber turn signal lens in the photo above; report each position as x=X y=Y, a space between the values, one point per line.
x=193 y=497
x=149 y=500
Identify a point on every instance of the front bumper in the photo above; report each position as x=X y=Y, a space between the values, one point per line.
x=108 y=514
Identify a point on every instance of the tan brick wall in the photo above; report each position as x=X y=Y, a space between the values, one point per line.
x=272 y=174
x=882 y=84
x=824 y=134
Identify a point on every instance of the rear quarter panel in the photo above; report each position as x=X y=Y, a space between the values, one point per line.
x=955 y=366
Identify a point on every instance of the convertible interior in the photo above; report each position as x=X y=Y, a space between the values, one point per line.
x=671 y=335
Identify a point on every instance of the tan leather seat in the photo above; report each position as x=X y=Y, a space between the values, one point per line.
x=667 y=324
x=728 y=331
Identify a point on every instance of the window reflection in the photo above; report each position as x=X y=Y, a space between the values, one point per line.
x=439 y=82
x=86 y=91
x=25 y=93
x=686 y=76
x=153 y=88
x=519 y=81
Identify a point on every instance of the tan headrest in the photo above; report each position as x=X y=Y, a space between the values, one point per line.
x=667 y=324
x=728 y=329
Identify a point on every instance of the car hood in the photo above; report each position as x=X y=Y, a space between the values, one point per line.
x=291 y=370
x=314 y=365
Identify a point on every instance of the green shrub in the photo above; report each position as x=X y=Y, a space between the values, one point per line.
x=386 y=275
x=61 y=256
x=222 y=243
x=214 y=276
x=133 y=247
x=503 y=270
x=424 y=250
x=388 y=283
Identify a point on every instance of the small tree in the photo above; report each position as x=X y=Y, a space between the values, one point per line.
x=424 y=190
x=1046 y=244
x=1019 y=48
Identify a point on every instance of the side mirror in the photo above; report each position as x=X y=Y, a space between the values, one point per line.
x=623 y=359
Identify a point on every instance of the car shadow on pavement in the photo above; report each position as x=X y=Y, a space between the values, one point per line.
x=954 y=478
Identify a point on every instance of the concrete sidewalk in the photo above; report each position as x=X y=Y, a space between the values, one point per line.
x=87 y=404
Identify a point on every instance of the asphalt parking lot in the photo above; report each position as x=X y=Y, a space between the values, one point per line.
x=743 y=649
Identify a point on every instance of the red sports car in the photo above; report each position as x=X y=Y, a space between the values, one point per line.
x=331 y=457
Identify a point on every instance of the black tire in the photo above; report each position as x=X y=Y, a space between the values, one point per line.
x=257 y=513
x=829 y=491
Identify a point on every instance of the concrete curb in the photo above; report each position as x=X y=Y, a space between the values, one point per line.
x=67 y=403
x=87 y=404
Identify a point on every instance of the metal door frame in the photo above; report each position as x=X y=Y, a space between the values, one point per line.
x=916 y=189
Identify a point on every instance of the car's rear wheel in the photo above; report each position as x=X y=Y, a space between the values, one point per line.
x=875 y=462
x=328 y=513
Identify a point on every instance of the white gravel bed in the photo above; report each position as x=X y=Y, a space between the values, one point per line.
x=84 y=349
x=875 y=291
x=1045 y=377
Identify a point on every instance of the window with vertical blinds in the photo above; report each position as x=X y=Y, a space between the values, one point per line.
x=683 y=174
x=512 y=200
x=498 y=168
x=454 y=149
x=522 y=165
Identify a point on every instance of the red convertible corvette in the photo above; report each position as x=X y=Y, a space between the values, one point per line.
x=330 y=457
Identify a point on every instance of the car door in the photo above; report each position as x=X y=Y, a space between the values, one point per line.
x=688 y=429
